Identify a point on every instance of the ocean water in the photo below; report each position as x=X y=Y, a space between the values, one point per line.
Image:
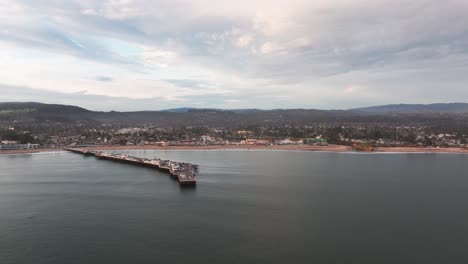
x=248 y=207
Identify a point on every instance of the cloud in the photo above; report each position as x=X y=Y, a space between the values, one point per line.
x=244 y=41
x=81 y=92
x=220 y=49
x=104 y=78
x=232 y=101
x=192 y=84
x=269 y=47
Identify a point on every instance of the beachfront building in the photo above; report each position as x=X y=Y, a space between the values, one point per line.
x=288 y=141
x=315 y=141
x=16 y=146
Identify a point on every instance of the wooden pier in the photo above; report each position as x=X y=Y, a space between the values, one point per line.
x=185 y=173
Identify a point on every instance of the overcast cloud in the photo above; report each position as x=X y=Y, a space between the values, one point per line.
x=155 y=54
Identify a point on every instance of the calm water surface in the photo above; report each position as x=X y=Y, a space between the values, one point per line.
x=249 y=207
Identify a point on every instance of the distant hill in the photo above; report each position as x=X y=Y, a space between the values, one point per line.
x=38 y=113
x=415 y=108
x=178 y=110
x=187 y=109
x=31 y=112
x=39 y=107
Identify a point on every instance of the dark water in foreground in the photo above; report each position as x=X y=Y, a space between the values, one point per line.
x=249 y=207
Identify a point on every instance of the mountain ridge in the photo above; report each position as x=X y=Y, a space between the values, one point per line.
x=458 y=107
x=412 y=108
x=35 y=113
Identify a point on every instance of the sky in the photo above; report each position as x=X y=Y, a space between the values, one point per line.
x=130 y=55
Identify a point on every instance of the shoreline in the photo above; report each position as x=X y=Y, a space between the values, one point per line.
x=28 y=151
x=455 y=150
x=329 y=148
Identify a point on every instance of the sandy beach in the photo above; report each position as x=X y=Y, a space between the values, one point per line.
x=329 y=148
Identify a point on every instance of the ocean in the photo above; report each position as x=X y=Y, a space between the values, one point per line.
x=250 y=206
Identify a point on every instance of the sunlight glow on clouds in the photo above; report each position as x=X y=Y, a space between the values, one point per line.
x=241 y=54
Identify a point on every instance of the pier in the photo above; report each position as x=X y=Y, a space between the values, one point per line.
x=185 y=173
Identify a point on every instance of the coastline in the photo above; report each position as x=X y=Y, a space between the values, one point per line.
x=28 y=151
x=421 y=150
x=329 y=148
